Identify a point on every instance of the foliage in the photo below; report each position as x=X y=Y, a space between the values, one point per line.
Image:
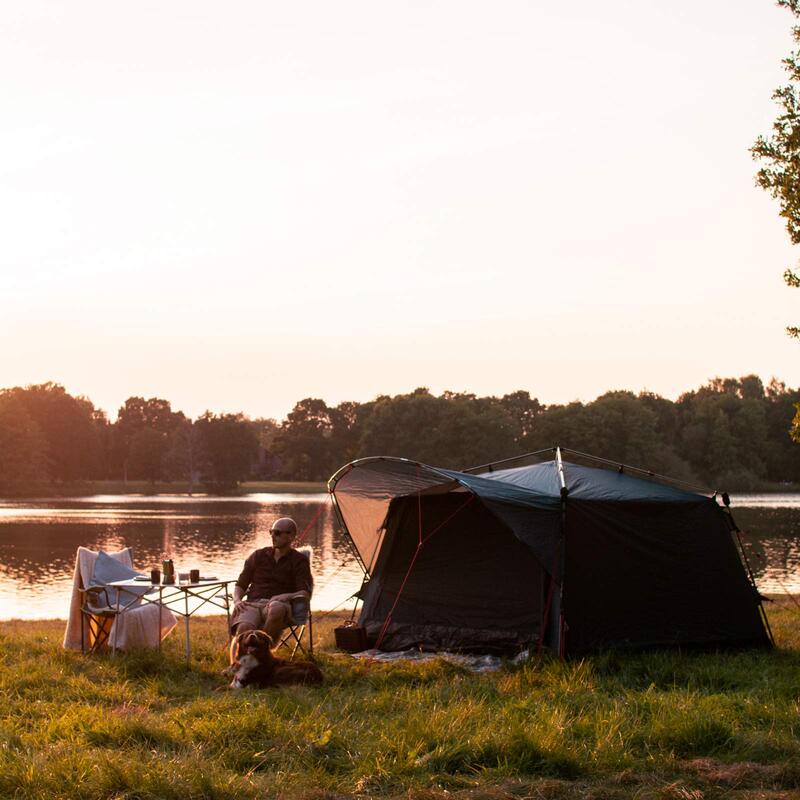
x=650 y=725
x=314 y=440
x=732 y=433
x=454 y=430
x=142 y=437
x=230 y=448
x=66 y=431
x=22 y=445
x=780 y=152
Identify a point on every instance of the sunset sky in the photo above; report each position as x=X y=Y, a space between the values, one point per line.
x=235 y=206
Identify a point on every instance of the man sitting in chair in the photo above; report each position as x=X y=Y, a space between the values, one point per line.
x=271 y=578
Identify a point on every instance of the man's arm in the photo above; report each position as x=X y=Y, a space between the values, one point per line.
x=243 y=581
x=287 y=596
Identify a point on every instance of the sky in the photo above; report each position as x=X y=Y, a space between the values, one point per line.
x=236 y=206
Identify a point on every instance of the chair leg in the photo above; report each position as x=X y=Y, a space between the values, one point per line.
x=94 y=632
x=297 y=634
x=293 y=634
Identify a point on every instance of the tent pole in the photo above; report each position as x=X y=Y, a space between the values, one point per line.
x=743 y=553
x=564 y=492
x=648 y=473
x=507 y=460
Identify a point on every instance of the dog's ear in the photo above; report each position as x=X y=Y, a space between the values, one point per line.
x=233 y=650
x=268 y=640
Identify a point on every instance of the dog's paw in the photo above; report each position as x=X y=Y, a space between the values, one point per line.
x=230 y=670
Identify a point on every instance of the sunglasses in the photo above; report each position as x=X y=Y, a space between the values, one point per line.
x=278 y=533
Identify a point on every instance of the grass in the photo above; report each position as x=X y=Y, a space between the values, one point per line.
x=687 y=726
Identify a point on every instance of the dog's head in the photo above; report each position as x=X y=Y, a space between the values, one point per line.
x=253 y=643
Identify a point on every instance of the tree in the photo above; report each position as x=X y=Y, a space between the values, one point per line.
x=780 y=152
x=455 y=430
x=525 y=411
x=724 y=430
x=303 y=443
x=230 y=449
x=781 y=450
x=71 y=428
x=184 y=458
x=142 y=436
x=23 y=447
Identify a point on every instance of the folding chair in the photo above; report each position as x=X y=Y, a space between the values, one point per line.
x=292 y=639
x=99 y=617
x=96 y=606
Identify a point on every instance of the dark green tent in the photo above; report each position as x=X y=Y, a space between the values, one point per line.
x=556 y=554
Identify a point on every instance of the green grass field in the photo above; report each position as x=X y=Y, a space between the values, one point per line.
x=676 y=725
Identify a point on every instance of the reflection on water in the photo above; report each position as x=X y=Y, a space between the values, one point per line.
x=771 y=539
x=38 y=540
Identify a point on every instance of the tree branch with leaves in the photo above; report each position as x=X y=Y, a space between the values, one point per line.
x=780 y=152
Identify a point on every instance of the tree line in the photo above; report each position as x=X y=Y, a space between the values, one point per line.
x=733 y=433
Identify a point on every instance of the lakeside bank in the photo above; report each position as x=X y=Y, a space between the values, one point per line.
x=79 y=489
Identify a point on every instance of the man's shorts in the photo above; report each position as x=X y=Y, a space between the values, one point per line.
x=254 y=613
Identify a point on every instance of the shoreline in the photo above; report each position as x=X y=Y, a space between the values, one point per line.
x=153 y=489
x=78 y=489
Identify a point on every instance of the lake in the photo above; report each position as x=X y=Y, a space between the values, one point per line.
x=38 y=540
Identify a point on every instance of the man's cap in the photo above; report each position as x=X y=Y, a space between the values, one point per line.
x=284 y=525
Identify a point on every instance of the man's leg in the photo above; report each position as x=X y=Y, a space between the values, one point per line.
x=279 y=614
x=249 y=618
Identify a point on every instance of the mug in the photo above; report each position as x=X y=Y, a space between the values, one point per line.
x=194 y=575
x=155 y=576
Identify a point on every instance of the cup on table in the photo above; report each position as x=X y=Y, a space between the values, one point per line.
x=194 y=575
x=155 y=576
x=183 y=577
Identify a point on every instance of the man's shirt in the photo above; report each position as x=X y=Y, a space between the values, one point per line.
x=264 y=577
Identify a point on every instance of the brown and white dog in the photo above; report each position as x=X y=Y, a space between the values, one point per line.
x=254 y=664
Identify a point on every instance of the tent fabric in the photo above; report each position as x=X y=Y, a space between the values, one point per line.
x=658 y=574
x=634 y=562
x=591 y=483
x=452 y=598
x=363 y=496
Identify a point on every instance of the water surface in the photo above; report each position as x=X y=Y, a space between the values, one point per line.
x=39 y=538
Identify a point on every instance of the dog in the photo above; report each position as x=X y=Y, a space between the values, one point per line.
x=254 y=664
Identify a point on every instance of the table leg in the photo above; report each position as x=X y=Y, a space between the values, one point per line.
x=113 y=628
x=186 y=618
x=227 y=607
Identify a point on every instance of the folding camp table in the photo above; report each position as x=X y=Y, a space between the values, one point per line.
x=184 y=599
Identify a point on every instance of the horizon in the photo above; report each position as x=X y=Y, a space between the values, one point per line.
x=262 y=204
x=255 y=415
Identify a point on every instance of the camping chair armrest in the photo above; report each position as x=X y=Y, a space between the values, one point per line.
x=301 y=610
x=92 y=599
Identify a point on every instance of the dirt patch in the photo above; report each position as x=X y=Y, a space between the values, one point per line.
x=738 y=775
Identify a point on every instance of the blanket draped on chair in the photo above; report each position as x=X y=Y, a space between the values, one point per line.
x=137 y=627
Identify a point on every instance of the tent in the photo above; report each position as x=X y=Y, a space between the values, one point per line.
x=558 y=554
